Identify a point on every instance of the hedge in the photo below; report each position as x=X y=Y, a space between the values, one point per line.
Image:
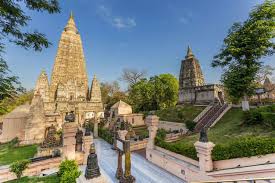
x=244 y=147
x=187 y=150
x=106 y=135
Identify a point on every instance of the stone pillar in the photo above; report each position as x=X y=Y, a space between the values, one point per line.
x=127 y=177
x=96 y=129
x=69 y=141
x=119 y=171
x=152 y=121
x=204 y=151
x=122 y=134
x=87 y=141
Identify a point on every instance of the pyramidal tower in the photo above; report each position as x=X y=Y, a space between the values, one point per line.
x=190 y=72
x=69 y=71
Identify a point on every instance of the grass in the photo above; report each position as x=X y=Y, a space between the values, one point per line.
x=179 y=113
x=228 y=128
x=48 y=179
x=9 y=153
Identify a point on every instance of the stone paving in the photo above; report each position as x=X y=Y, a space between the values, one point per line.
x=142 y=170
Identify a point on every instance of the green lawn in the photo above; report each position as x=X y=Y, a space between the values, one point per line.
x=48 y=179
x=9 y=153
x=228 y=128
x=179 y=113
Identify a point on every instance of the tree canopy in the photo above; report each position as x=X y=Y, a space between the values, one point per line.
x=13 y=25
x=243 y=48
x=158 y=92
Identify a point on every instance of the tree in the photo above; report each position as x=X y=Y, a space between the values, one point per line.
x=68 y=171
x=111 y=93
x=132 y=76
x=244 y=46
x=13 y=26
x=158 y=92
x=18 y=167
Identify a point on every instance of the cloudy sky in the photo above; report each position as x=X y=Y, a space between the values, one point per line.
x=151 y=35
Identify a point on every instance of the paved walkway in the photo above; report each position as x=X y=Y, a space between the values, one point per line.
x=142 y=170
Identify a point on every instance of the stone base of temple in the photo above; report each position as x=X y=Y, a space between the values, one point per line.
x=100 y=179
x=129 y=179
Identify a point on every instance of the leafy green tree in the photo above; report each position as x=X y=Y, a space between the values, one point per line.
x=244 y=46
x=13 y=25
x=18 y=167
x=158 y=92
x=68 y=171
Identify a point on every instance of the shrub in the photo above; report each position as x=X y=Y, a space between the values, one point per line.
x=269 y=119
x=252 y=117
x=68 y=171
x=18 y=167
x=106 y=135
x=244 y=147
x=185 y=150
x=190 y=125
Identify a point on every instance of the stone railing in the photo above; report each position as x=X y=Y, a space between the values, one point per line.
x=34 y=169
x=251 y=180
x=244 y=162
x=206 y=170
x=137 y=145
x=171 y=137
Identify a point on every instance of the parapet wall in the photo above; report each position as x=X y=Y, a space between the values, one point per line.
x=34 y=169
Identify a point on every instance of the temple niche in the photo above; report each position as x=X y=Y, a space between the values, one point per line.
x=67 y=91
x=192 y=87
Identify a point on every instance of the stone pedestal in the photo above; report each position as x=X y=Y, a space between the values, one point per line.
x=152 y=121
x=87 y=141
x=69 y=141
x=204 y=151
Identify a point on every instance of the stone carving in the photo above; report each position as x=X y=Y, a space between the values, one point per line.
x=50 y=140
x=70 y=117
x=203 y=135
x=79 y=140
x=92 y=168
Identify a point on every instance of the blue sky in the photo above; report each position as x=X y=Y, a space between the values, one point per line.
x=144 y=34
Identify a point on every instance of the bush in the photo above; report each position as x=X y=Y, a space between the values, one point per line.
x=106 y=135
x=185 y=150
x=269 y=119
x=68 y=171
x=252 y=117
x=244 y=147
x=190 y=125
x=18 y=167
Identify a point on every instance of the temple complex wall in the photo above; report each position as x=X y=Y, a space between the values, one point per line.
x=133 y=119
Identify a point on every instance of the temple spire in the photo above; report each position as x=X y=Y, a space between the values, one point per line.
x=189 y=53
x=71 y=27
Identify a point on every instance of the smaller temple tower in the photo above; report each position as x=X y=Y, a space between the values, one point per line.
x=95 y=93
x=190 y=72
x=42 y=86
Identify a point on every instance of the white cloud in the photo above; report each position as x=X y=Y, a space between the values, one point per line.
x=116 y=21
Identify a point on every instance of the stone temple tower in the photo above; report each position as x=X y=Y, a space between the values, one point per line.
x=190 y=72
x=69 y=74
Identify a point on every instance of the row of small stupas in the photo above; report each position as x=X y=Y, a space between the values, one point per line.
x=67 y=91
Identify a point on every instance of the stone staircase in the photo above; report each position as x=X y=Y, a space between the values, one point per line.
x=210 y=116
